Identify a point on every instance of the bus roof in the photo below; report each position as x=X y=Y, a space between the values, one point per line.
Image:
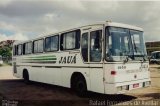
x=19 y=41
x=107 y=23
x=123 y=26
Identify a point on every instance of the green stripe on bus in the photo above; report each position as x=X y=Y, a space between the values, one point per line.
x=43 y=59
x=43 y=62
x=43 y=56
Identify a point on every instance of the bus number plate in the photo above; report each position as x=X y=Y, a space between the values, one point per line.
x=135 y=85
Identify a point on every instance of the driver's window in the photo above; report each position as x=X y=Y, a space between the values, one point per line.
x=158 y=56
x=95 y=46
x=137 y=43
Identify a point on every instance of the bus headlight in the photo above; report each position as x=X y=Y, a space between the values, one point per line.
x=119 y=88
x=125 y=87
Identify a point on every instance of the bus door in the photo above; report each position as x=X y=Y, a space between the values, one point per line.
x=91 y=49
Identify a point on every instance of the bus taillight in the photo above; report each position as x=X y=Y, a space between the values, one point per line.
x=113 y=72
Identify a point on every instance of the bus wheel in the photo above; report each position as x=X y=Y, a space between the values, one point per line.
x=26 y=76
x=80 y=86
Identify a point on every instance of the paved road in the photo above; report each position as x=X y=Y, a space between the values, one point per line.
x=6 y=73
x=43 y=94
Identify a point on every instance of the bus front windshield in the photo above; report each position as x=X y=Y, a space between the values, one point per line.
x=124 y=44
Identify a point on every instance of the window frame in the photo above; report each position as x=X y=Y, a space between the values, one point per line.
x=45 y=43
x=37 y=49
x=91 y=44
x=24 y=48
x=77 y=40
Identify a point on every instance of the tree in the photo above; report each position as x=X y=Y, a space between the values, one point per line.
x=6 y=52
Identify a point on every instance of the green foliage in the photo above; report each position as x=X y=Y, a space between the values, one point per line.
x=6 y=52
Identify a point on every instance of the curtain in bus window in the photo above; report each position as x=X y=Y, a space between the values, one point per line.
x=48 y=44
x=54 y=43
x=69 y=40
x=35 y=46
x=40 y=46
x=19 y=49
x=29 y=47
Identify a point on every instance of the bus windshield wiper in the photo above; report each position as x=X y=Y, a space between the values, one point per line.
x=126 y=59
x=143 y=56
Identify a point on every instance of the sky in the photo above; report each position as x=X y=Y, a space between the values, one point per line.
x=27 y=19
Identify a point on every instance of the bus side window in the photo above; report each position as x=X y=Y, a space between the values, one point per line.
x=27 y=48
x=84 y=47
x=52 y=43
x=38 y=46
x=70 y=40
x=20 y=49
x=95 y=46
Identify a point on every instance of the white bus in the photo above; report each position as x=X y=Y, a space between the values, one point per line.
x=1 y=61
x=108 y=58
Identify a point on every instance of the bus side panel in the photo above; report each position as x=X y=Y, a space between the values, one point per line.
x=68 y=72
x=93 y=77
x=45 y=75
x=34 y=73
x=19 y=73
x=96 y=79
x=51 y=75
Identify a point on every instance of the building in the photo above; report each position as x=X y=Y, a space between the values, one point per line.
x=152 y=46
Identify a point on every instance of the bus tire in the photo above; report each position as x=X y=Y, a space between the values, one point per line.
x=26 y=77
x=80 y=86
